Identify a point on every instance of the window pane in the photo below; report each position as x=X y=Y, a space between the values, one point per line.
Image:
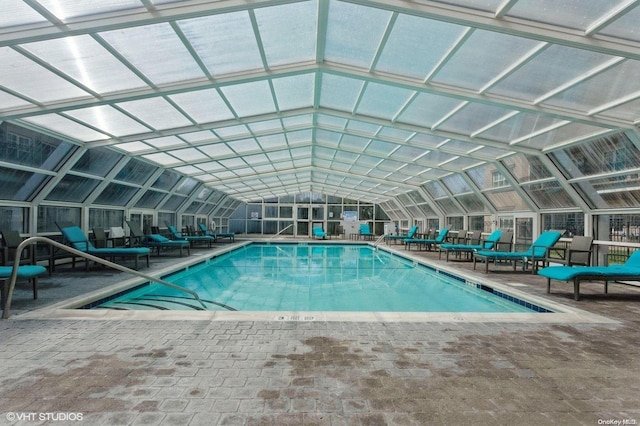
x=98 y=161
x=73 y=188
x=150 y=199
x=18 y=185
x=136 y=171
x=49 y=215
x=167 y=180
x=29 y=148
x=116 y=194
x=14 y=219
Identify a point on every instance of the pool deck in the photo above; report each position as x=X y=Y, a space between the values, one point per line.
x=173 y=370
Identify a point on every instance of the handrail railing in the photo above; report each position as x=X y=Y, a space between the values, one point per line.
x=31 y=240
x=280 y=232
x=378 y=241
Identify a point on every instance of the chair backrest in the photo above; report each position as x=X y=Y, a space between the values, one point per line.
x=77 y=239
x=505 y=241
x=177 y=235
x=135 y=230
x=203 y=228
x=11 y=240
x=546 y=240
x=442 y=235
x=474 y=237
x=317 y=230
x=580 y=250
x=157 y=238
x=100 y=236
x=364 y=229
x=461 y=236
x=412 y=231
x=634 y=260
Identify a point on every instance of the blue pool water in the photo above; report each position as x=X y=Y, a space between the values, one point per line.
x=293 y=277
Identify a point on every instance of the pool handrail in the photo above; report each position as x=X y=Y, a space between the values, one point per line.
x=32 y=240
x=280 y=232
x=378 y=241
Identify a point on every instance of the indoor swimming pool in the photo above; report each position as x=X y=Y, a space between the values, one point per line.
x=317 y=277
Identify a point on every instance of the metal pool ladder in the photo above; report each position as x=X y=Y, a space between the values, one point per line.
x=378 y=241
x=31 y=240
x=279 y=232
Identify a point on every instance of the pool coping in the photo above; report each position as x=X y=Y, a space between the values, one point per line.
x=68 y=309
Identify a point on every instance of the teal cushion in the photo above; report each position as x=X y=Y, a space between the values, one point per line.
x=157 y=238
x=24 y=272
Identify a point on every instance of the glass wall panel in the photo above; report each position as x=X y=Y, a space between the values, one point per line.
x=186 y=186
x=506 y=200
x=549 y=195
x=471 y=203
x=380 y=213
x=435 y=189
x=194 y=207
x=166 y=180
x=270 y=211
x=97 y=161
x=480 y=223
x=18 y=185
x=614 y=192
x=73 y=189
x=572 y=223
x=166 y=217
x=487 y=176
x=173 y=203
x=105 y=218
x=526 y=168
x=365 y=213
x=455 y=223
x=448 y=206
x=116 y=194
x=30 y=148
x=150 y=199
x=610 y=154
x=14 y=219
x=456 y=184
x=136 y=171
x=48 y=216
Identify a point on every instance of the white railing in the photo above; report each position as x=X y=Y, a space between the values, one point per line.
x=279 y=232
x=32 y=240
x=378 y=241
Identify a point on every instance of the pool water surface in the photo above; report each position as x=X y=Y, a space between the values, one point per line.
x=314 y=277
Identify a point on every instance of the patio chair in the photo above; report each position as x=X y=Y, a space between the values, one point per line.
x=318 y=232
x=578 y=253
x=157 y=241
x=411 y=234
x=25 y=272
x=427 y=242
x=193 y=239
x=365 y=232
x=27 y=269
x=76 y=239
x=538 y=251
x=474 y=243
x=231 y=236
x=629 y=271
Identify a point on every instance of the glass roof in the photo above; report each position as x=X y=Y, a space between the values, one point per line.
x=361 y=100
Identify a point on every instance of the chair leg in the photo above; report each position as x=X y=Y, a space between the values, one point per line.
x=34 y=282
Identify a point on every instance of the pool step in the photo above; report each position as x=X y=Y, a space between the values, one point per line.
x=163 y=303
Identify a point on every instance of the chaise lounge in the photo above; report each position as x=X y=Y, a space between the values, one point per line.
x=318 y=232
x=427 y=242
x=217 y=235
x=157 y=241
x=488 y=244
x=76 y=239
x=192 y=239
x=410 y=234
x=538 y=251
x=630 y=271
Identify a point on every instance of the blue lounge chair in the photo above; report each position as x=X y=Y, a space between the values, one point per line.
x=630 y=271
x=365 y=232
x=410 y=234
x=193 y=239
x=25 y=272
x=474 y=244
x=76 y=239
x=318 y=232
x=217 y=235
x=156 y=241
x=538 y=251
x=427 y=242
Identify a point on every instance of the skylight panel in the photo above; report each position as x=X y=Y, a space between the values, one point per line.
x=87 y=62
x=294 y=92
x=331 y=121
x=202 y=136
x=426 y=109
x=109 y=120
x=188 y=170
x=68 y=9
x=249 y=99
x=299 y=137
x=64 y=126
x=353 y=142
x=569 y=133
x=548 y=71
x=232 y=131
x=473 y=65
x=8 y=102
x=217 y=150
x=265 y=126
x=473 y=117
x=272 y=141
x=162 y=159
x=232 y=163
x=627 y=111
x=394 y=133
x=625 y=27
x=33 y=81
x=276 y=156
x=407 y=153
x=133 y=147
x=381 y=147
x=225 y=42
x=156 y=112
x=203 y=105
x=416 y=45
x=166 y=141
x=339 y=93
x=188 y=154
x=170 y=61
x=244 y=145
x=575 y=14
x=18 y=13
x=304 y=120
x=363 y=127
x=288 y=32
x=354 y=33
x=423 y=140
x=211 y=166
